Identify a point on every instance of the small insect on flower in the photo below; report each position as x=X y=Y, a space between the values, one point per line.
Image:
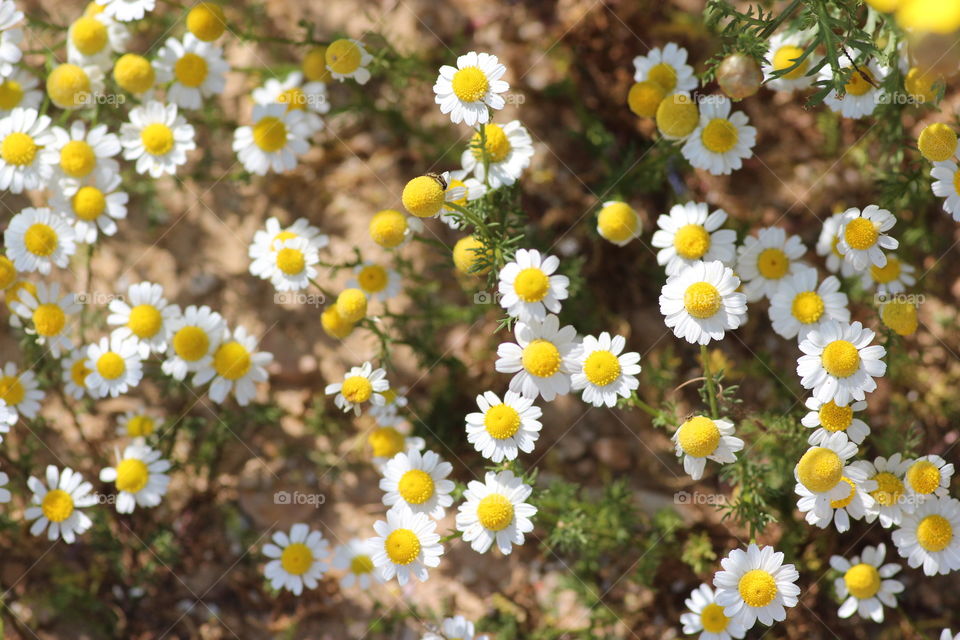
x=297 y=560
x=530 y=287
x=690 y=233
x=158 y=138
x=863 y=236
x=839 y=363
x=406 y=545
x=700 y=439
x=929 y=538
x=800 y=305
x=360 y=385
x=468 y=91
x=347 y=58
x=541 y=358
x=707 y=618
x=667 y=67
x=764 y=262
x=354 y=559
x=145 y=316
x=603 y=371
x=55 y=505
x=700 y=303
x=277 y=137
x=235 y=367
x=866 y=585
x=51 y=316
x=502 y=429
x=722 y=140
x=140 y=477
x=496 y=511
x=426 y=195
x=756 y=585
x=506 y=150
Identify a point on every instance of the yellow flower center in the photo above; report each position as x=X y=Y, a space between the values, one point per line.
x=294 y=98
x=644 y=98
x=470 y=84
x=357 y=389
x=467 y=254
x=924 y=477
x=541 y=358
x=719 y=136
x=757 y=588
x=495 y=512
x=191 y=343
x=860 y=82
x=501 y=421
x=291 y=261
x=713 y=619
x=49 y=319
x=691 y=241
x=937 y=142
x=889 y=489
x=232 y=360
x=934 y=533
x=111 y=366
x=698 y=437
x=157 y=139
x=901 y=316
x=134 y=73
x=531 y=284
x=140 y=426
x=956 y=181
x=190 y=70
x=40 y=239
x=702 y=300
x=11 y=390
x=206 y=21
x=18 y=149
x=497 y=145
x=68 y=86
x=386 y=442
x=807 y=307
x=833 y=246
x=372 y=278
x=361 y=564
x=11 y=93
x=841 y=359
x=416 y=486
x=601 y=368
x=785 y=57
x=773 y=264
x=352 y=304
x=388 y=228
x=459 y=184
x=79 y=373
x=145 y=321
x=618 y=222
x=862 y=580
x=88 y=35
x=270 y=134
x=677 y=116
x=343 y=56
x=835 y=418
x=296 y=558
x=315 y=65
x=389 y=396
x=132 y=475
x=922 y=85
x=845 y=502
x=88 y=203
x=402 y=546
x=820 y=469
x=888 y=273
x=333 y=323
x=861 y=234
x=57 y=505
x=664 y=75
x=423 y=196
x=8 y=273
x=77 y=159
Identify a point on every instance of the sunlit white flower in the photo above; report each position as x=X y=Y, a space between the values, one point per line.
x=529 y=286
x=50 y=316
x=235 y=367
x=502 y=429
x=38 y=240
x=274 y=140
x=93 y=38
x=360 y=385
x=839 y=363
x=827 y=246
x=127 y=10
x=8 y=417
x=700 y=439
x=266 y=242
x=853 y=505
x=540 y=358
x=294 y=264
x=722 y=140
x=81 y=153
x=55 y=505
x=866 y=585
x=946 y=178
x=821 y=471
x=890 y=500
x=20 y=390
x=138 y=425
x=144 y=315
x=862 y=92
x=701 y=303
x=18 y=90
x=354 y=559
x=707 y=618
x=894 y=277
x=309 y=98
x=115 y=366
x=157 y=137
x=603 y=371
x=26 y=160
x=863 y=236
x=388 y=414
x=75 y=373
x=375 y=281
x=194 y=337
x=765 y=261
x=297 y=560
x=690 y=233
x=195 y=68
x=667 y=67
x=800 y=304
x=10 y=37
x=618 y=222
x=784 y=50
x=756 y=585
x=389 y=440
x=347 y=58
x=140 y=477
x=829 y=417
x=91 y=205
x=496 y=511
x=509 y=149
x=930 y=536
x=406 y=544
x=417 y=483
x=468 y=91
x=926 y=477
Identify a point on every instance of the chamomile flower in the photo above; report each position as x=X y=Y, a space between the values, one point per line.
x=386 y=441
x=294 y=264
x=529 y=286
x=946 y=176
x=354 y=559
x=376 y=281
x=310 y=98
x=360 y=385
x=93 y=39
x=894 y=277
x=509 y=149
x=866 y=585
x=140 y=477
x=157 y=137
x=468 y=91
x=406 y=544
x=839 y=363
x=26 y=160
x=722 y=140
x=38 y=240
x=10 y=37
x=700 y=439
x=115 y=366
x=890 y=500
x=80 y=152
x=417 y=483
x=55 y=505
x=127 y=10
x=296 y=560
x=756 y=585
x=72 y=86
x=274 y=140
x=19 y=90
x=50 y=316
x=388 y=413
x=502 y=429
x=667 y=67
x=765 y=261
x=195 y=68
x=853 y=505
x=784 y=50
x=800 y=304
x=690 y=232
x=496 y=511
x=144 y=315
x=618 y=222
x=20 y=390
x=929 y=538
x=603 y=371
x=92 y=205
x=946 y=634
x=827 y=418
x=392 y=229
x=862 y=92
x=455 y=628
x=827 y=246
x=707 y=618
x=863 y=236
x=266 y=241
x=700 y=303
x=194 y=337
x=235 y=367
x=540 y=358
x=347 y=58
x=927 y=477
x=821 y=471
x=75 y=374
x=468 y=189
x=136 y=424
x=426 y=196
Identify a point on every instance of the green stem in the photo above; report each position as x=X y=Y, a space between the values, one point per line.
x=708 y=377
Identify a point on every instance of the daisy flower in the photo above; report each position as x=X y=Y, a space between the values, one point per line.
x=296 y=560
x=470 y=89
x=839 y=363
x=928 y=536
x=455 y=628
x=821 y=471
x=700 y=439
x=800 y=305
x=274 y=140
x=38 y=240
x=529 y=287
x=195 y=336
x=460 y=190
x=827 y=418
x=827 y=246
x=136 y=424
x=890 y=496
x=294 y=264
x=946 y=176
x=853 y=505
x=195 y=68
x=756 y=585
x=157 y=137
x=618 y=223
x=406 y=544
x=347 y=58
x=667 y=67
x=927 y=477
x=946 y=634
x=50 y=315
x=508 y=149
x=20 y=390
x=127 y=10
x=144 y=315
x=310 y=98
x=115 y=366
x=862 y=92
x=387 y=441
x=375 y=281
x=57 y=503
x=502 y=429
x=700 y=303
x=722 y=140
x=235 y=367
x=417 y=483
x=690 y=233
x=71 y=86
x=140 y=477
x=92 y=206
x=26 y=160
x=93 y=39
x=75 y=373
x=10 y=37
x=266 y=242
x=677 y=116
x=765 y=261
x=863 y=236
x=354 y=559
x=392 y=229
x=360 y=385
x=18 y=90
x=783 y=52
x=540 y=358
x=892 y=278
x=707 y=618
x=603 y=371
x=866 y=584
x=387 y=414
x=496 y=511
x=80 y=152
